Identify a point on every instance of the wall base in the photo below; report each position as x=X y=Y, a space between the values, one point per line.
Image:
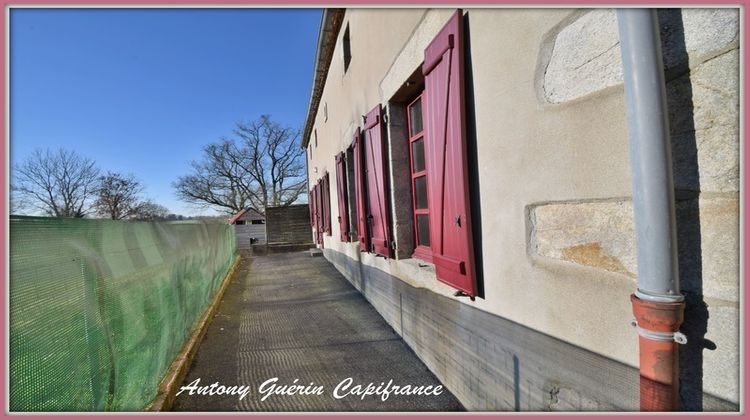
x=493 y=364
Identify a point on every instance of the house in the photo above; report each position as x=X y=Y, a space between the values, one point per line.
x=471 y=173
x=249 y=227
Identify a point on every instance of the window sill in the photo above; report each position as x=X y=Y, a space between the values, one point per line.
x=419 y=264
x=423 y=254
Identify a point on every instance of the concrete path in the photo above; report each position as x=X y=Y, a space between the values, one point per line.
x=294 y=317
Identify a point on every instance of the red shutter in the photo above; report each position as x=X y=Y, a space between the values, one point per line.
x=311 y=207
x=318 y=214
x=341 y=192
x=326 y=204
x=375 y=177
x=314 y=199
x=359 y=184
x=450 y=226
x=311 y=204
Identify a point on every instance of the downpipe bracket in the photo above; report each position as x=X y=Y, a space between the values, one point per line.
x=677 y=336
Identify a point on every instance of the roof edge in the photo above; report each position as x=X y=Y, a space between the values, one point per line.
x=236 y=216
x=330 y=24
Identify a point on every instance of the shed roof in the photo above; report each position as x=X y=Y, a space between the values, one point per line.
x=247 y=211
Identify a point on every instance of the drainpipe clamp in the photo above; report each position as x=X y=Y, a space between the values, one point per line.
x=676 y=336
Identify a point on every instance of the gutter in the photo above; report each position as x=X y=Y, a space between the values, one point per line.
x=330 y=24
x=658 y=305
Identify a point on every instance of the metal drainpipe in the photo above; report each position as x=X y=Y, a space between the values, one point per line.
x=658 y=305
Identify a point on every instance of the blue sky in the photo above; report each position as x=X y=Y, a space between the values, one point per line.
x=142 y=90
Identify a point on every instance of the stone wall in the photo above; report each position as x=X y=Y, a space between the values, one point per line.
x=585 y=54
x=701 y=57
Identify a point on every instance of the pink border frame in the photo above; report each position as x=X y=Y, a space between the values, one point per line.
x=744 y=155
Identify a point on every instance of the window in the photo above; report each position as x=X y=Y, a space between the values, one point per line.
x=311 y=205
x=239 y=222
x=341 y=192
x=359 y=183
x=321 y=211
x=419 y=181
x=258 y=222
x=318 y=213
x=347 y=49
x=351 y=193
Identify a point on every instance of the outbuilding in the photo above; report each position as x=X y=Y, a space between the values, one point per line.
x=250 y=227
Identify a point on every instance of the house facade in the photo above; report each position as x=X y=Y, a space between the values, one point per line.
x=470 y=175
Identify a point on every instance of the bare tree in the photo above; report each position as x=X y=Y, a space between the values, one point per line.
x=261 y=166
x=19 y=203
x=59 y=184
x=148 y=210
x=117 y=196
x=219 y=180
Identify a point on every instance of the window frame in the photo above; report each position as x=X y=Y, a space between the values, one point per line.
x=351 y=193
x=421 y=252
x=342 y=196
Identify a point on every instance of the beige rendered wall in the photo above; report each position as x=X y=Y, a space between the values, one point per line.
x=554 y=177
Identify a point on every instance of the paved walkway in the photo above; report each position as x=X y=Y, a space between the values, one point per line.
x=294 y=317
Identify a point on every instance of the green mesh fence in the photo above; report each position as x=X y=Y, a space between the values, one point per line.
x=99 y=309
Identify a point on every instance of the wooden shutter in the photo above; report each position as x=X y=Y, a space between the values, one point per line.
x=341 y=192
x=326 y=204
x=450 y=226
x=314 y=199
x=377 y=196
x=318 y=214
x=359 y=186
x=311 y=207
